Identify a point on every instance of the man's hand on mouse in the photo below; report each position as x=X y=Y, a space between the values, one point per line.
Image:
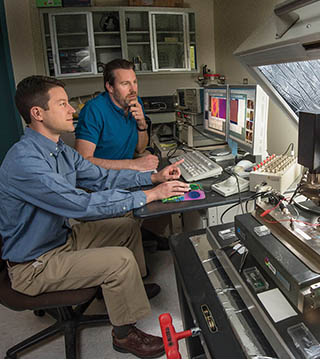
x=167 y=189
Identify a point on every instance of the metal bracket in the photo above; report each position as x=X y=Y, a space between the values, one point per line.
x=284 y=23
x=285 y=20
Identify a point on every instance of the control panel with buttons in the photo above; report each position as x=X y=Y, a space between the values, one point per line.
x=277 y=171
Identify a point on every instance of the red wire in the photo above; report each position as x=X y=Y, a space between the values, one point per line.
x=295 y=220
x=266 y=212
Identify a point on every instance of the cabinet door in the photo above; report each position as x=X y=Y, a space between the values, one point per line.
x=170 y=41
x=72 y=44
x=192 y=42
x=138 y=42
x=107 y=37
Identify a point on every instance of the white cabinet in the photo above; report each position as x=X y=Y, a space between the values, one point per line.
x=78 y=43
x=108 y=42
x=170 y=41
x=71 y=45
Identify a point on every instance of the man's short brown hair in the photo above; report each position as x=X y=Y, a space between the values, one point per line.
x=108 y=72
x=33 y=91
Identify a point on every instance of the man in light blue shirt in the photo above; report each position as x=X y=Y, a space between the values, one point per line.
x=41 y=187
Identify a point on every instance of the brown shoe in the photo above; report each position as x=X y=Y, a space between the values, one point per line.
x=139 y=344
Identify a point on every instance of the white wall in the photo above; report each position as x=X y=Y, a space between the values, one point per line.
x=234 y=21
x=221 y=26
x=28 y=56
x=20 y=38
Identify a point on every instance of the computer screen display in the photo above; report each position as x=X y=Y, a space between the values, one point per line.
x=215 y=111
x=248 y=116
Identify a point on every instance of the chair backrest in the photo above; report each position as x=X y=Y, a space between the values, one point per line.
x=149 y=123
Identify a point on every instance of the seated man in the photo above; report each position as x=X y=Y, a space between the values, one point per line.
x=39 y=180
x=112 y=126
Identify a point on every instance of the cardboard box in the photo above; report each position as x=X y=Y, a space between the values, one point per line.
x=157 y=3
x=49 y=3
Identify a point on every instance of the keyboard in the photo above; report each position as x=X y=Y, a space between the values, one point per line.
x=197 y=166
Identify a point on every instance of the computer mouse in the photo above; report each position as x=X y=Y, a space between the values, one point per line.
x=245 y=164
x=231 y=181
x=241 y=167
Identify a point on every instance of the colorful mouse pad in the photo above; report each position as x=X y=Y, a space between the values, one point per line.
x=195 y=193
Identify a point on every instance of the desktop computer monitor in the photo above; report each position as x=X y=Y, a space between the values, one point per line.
x=215 y=111
x=248 y=118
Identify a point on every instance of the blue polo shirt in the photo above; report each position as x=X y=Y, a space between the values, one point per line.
x=105 y=124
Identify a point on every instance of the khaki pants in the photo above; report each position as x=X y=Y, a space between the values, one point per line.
x=105 y=252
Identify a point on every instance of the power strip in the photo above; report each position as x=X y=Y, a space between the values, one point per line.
x=277 y=171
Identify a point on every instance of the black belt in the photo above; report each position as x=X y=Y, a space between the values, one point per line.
x=12 y=263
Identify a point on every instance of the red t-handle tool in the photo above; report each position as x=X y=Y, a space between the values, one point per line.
x=171 y=337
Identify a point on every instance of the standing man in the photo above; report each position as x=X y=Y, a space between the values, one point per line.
x=40 y=188
x=112 y=126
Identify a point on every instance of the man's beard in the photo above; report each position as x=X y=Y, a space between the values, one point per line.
x=123 y=101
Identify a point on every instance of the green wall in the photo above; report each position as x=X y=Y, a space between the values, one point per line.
x=10 y=123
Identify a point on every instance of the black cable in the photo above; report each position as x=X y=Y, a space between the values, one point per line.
x=243 y=260
x=295 y=193
x=229 y=208
x=292 y=146
x=255 y=196
x=172 y=151
x=295 y=209
x=238 y=186
x=305 y=208
x=252 y=197
x=182 y=146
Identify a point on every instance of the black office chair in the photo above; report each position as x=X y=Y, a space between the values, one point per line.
x=149 y=123
x=66 y=307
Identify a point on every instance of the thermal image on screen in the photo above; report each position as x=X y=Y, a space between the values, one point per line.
x=218 y=113
x=234 y=111
x=215 y=111
x=218 y=108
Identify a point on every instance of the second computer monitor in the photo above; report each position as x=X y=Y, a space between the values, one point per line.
x=248 y=118
x=215 y=111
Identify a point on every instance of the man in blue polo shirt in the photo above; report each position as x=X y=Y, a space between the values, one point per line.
x=112 y=126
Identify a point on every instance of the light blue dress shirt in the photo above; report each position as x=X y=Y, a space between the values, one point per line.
x=39 y=191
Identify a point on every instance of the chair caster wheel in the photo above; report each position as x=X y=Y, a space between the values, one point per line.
x=10 y=357
x=39 y=312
